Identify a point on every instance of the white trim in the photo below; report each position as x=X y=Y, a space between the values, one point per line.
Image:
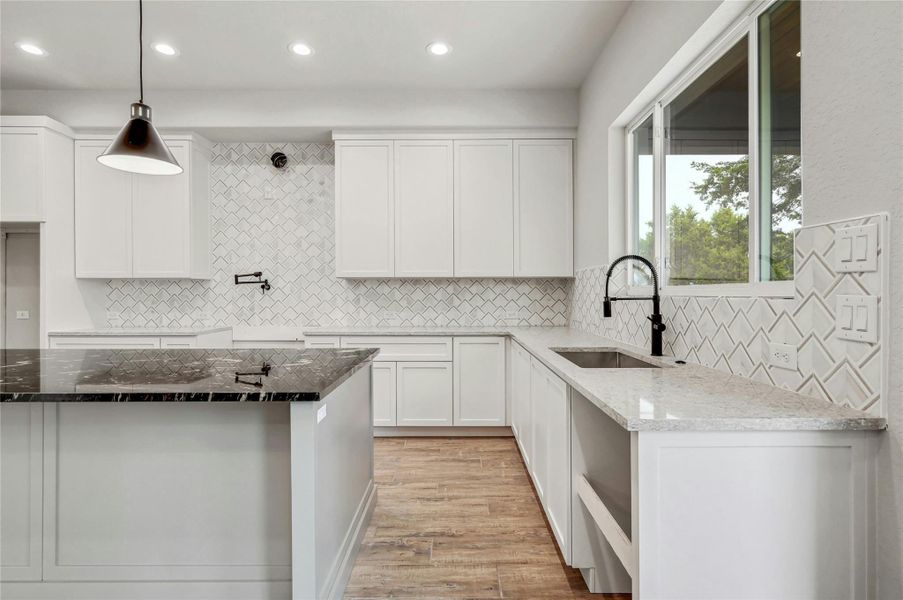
x=611 y=531
x=454 y=134
x=442 y=431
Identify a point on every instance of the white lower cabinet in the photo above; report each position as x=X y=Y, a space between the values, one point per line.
x=541 y=423
x=538 y=431
x=384 y=394
x=558 y=478
x=521 y=417
x=21 y=430
x=424 y=394
x=479 y=389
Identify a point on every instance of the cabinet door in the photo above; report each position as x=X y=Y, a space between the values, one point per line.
x=543 y=208
x=178 y=341
x=484 y=209
x=558 y=489
x=103 y=215
x=21 y=175
x=161 y=221
x=365 y=219
x=384 y=394
x=115 y=342
x=520 y=402
x=479 y=390
x=424 y=393
x=21 y=429
x=424 y=214
x=321 y=342
x=540 y=434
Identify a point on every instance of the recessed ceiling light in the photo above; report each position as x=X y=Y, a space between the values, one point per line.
x=438 y=48
x=31 y=49
x=300 y=48
x=165 y=49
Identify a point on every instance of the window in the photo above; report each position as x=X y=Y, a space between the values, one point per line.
x=643 y=205
x=716 y=201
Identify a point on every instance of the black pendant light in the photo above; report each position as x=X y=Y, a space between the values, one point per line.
x=138 y=148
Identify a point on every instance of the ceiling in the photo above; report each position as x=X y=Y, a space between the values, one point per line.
x=243 y=45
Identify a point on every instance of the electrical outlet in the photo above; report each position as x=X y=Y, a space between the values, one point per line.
x=23 y=314
x=782 y=355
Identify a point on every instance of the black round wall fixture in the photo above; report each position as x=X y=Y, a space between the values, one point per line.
x=279 y=160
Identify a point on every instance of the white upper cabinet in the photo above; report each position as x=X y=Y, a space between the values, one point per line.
x=484 y=216
x=543 y=208
x=473 y=205
x=161 y=220
x=142 y=226
x=365 y=219
x=36 y=161
x=103 y=215
x=423 y=209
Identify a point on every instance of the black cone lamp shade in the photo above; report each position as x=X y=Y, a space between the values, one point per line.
x=138 y=148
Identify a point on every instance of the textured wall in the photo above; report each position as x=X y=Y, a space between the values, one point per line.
x=852 y=84
x=732 y=333
x=281 y=222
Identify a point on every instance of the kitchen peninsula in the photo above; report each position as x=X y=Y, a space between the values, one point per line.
x=184 y=473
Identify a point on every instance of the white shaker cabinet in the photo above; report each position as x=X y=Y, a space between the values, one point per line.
x=521 y=407
x=142 y=226
x=479 y=383
x=384 y=394
x=539 y=431
x=103 y=215
x=365 y=214
x=543 y=208
x=484 y=214
x=36 y=166
x=423 y=208
x=424 y=393
x=558 y=488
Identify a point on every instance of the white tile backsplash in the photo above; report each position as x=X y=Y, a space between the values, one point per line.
x=732 y=333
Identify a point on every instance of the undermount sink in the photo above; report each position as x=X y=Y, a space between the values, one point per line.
x=604 y=359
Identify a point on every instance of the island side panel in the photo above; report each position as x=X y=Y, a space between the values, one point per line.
x=166 y=492
x=333 y=492
x=782 y=515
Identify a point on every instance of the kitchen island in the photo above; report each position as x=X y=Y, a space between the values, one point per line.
x=183 y=473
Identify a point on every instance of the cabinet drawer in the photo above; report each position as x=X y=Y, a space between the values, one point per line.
x=423 y=349
x=114 y=342
x=321 y=342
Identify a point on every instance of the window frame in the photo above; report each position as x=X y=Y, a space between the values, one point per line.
x=746 y=26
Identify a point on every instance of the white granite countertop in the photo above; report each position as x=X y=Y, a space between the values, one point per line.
x=137 y=331
x=672 y=398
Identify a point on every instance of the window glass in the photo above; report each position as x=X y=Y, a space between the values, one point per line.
x=780 y=174
x=706 y=175
x=643 y=207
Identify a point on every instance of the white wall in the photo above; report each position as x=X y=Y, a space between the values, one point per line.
x=301 y=115
x=852 y=86
x=21 y=289
x=648 y=36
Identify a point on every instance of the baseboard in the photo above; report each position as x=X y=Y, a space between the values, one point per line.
x=442 y=432
x=146 y=590
x=351 y=544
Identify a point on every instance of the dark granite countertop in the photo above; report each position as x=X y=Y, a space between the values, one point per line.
x=103 y=375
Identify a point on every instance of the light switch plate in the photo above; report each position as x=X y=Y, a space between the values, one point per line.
x=857 y=318
x=782 y=355
x=856 y=249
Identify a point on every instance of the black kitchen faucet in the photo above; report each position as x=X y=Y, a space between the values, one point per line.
x=656 y=317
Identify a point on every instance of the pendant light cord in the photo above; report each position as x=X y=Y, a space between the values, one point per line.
x=141 y=50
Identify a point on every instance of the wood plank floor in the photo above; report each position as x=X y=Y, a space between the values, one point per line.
x=457 y=518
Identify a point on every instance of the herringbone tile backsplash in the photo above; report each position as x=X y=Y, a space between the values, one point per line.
x=732 y=333
x=281 y=223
